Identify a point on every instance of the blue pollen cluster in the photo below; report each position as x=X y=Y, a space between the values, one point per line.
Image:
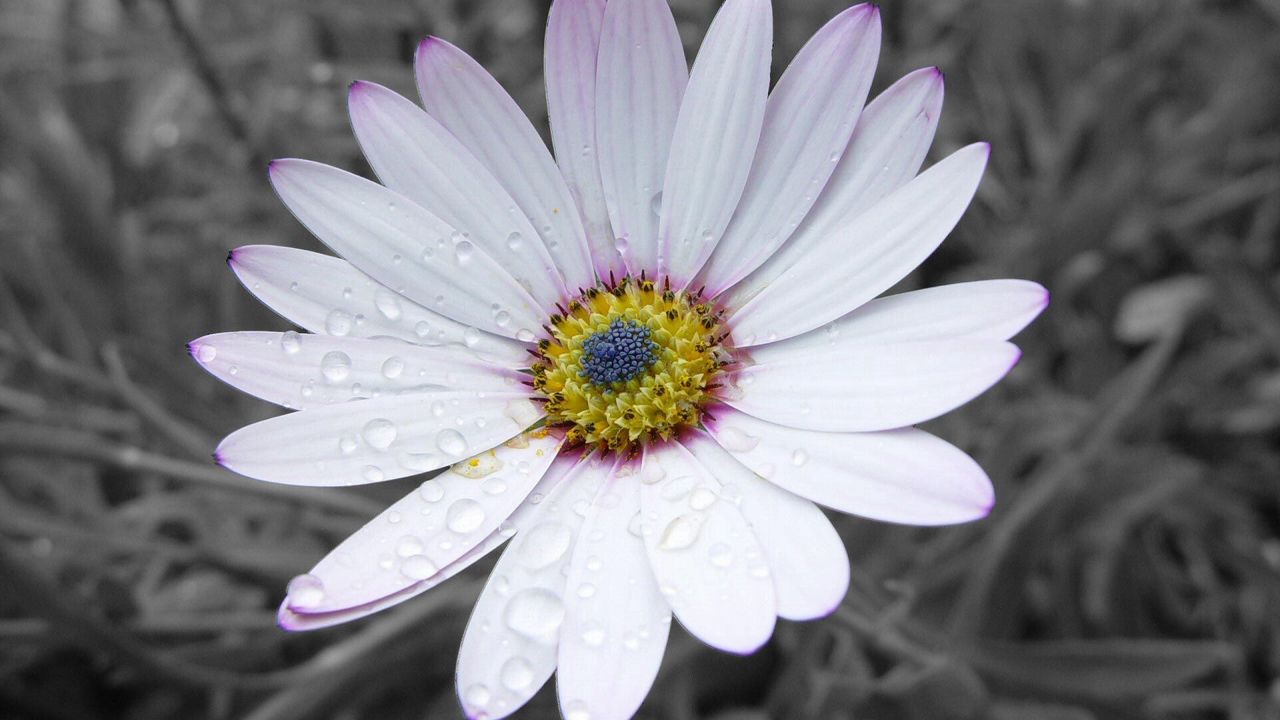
x=618 y=353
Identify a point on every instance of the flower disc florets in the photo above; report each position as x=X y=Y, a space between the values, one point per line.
x=628 y=363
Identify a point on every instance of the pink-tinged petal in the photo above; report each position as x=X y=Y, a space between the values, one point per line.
x=572 y=46
x=858 y=261
x=806 y=556
x=417 y=157
x=616 y=621
x=982 y=310
x=431 y=527
x=468 y=101
x=890 y=141
x=406 y=248
x=807 y=124
x=640 y=80
x=904 y=476
x=707 y=561
x=382 y=438
x=715 y=136
x=510 y=646
x=863 y=387
x=326 y=295
x=304 y=370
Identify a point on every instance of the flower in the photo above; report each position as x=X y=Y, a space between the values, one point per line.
x=646 y=359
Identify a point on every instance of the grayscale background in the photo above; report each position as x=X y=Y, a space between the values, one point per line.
x=1130 y=569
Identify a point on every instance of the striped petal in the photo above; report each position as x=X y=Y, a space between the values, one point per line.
x=406 y=248
x=706 y=559
x=383 y=438
x=510 y=645
x=303 y=370
x=806 y=556
x=417 y=157
x=858 y=261
x=616 y=621
x=807 y=124
x=468 y=101
x=327 y=295
x=715 y=136
x=889 y=142
x=569 y=58
x=857 y=387
x=904 y=476
x=640 y=81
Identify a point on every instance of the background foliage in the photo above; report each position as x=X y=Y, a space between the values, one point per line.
x=1130 y=569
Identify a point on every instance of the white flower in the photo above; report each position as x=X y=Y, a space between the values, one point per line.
x=645 y=359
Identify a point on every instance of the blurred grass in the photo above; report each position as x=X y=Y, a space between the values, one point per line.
x=1131 y=568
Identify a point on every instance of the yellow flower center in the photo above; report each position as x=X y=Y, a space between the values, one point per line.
x=629 y=363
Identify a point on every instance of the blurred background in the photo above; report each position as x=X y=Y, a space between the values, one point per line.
x=1131 y=568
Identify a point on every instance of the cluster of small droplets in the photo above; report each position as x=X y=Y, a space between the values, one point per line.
x=618 y=353
x=628 y=362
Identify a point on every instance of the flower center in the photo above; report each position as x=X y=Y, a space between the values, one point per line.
x=627 y=363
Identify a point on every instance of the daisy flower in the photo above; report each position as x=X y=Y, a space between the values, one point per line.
x=644 y=362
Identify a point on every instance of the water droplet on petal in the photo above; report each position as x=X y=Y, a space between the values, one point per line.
x=736 y=441
x=335 y=366
x=516 y=674
x=682 y=532
x=536 y=614
x=305 y=591
x=593 y=635
x=387 y=303
x=464 y=250
x=525 y=335
x=409 y=546
x=477 y=696
x=471 y=337
x=464 y=516
x=545 y=544
x=372 y=474
x=392 y=368
x=431 y=491
x=338 y=323
x=799 y=457
x=417 y=567
x=523 y=412
x=206 y=353
x=451 y=442
x=290 y=342
x=721 y=555
x=379 y=433
x=514 y=241
x=702 y=498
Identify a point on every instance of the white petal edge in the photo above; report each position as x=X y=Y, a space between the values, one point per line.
x=715 y=136
x=808 y=121
x=640 y=81
x=707 y=560
x=863 y=387
x=406 y=248
x=300 y=619
x=806 y=556
x=328 y=295
x=302 y=370
x=979 y=310
x=413 y=154
x=904 y=476
x=856 y=262
x=510 y=646
x=889 y=142
x=616 y=621
x=383 y=438
x=467 y=100
x=569 y=59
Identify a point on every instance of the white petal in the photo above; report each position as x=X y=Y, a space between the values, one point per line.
x=466 y=99
x=304 y=370
x=888 y=144
x=640 y=81
x=616 y=621
x=406 y=248
x=417 y=157
x=715 y=137
x=384 y=438
x=982 y=310
x=569 y=59
x=706 y=559
x=906 y=476
x=807 y=124
x=806 y=556
x=327 y=295
x=861 y=387
x=858 y=261
x=432 y=533
x=509 y=648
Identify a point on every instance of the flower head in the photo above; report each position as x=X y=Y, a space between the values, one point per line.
x=644 y=359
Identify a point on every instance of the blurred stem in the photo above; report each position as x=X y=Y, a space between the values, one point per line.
x=193 y=441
